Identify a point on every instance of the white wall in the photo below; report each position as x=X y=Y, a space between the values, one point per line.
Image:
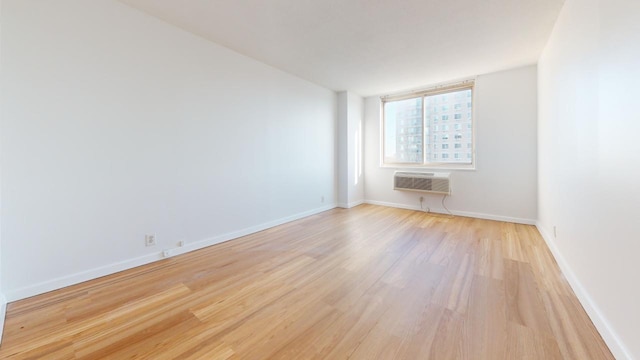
x=589 y=166
x=350 y=146
x=355 y=155
x=342 y=161
x=503 y=185
x=3 y=300
x=116 y=124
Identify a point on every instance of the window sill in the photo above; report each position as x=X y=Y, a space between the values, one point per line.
x=435 y=168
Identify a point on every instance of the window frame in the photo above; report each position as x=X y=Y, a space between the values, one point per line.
x=437 y=90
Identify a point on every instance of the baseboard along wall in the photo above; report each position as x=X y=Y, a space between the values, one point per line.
x=61 y=282
x=609 y=336
x=3 y=313
x=612 y=340
x=456 y=212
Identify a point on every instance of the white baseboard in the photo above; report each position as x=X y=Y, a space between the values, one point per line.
x=351 y=204
x=456 y=212
x=3 y=313
x=94 y=273
x=610 y=337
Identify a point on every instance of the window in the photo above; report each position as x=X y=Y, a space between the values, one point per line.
x=412 y=120
x=457 y=146
x=397 y=115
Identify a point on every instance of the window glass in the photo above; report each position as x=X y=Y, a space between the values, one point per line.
x=411 y=126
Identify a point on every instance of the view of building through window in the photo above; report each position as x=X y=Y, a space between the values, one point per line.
x=429 y=129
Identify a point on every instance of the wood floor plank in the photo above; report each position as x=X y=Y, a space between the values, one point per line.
x=524 y=300
x=486 y=322
x=401 y=319
x=449 y=337
x=454 y=289
x=525 y=343
x=369 y=282
x=512 y=245
x=574 y=332
x=489 y=259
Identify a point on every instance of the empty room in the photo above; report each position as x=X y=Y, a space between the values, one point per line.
x=329 y=179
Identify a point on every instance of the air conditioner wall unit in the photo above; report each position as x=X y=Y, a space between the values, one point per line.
x=435 y=183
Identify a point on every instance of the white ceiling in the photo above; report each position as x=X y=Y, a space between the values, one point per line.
x=371 y=46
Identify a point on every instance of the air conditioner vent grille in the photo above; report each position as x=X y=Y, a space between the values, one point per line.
x=423 y=182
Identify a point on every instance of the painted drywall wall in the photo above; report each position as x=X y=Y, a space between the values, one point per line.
x=3 y=300
x=503 y=185
x=355 y=156
x=588 y=161
x=342 y=160
x=116 y=125
x=350 y=146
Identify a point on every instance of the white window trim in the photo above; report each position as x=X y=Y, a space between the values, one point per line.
x=433 y=90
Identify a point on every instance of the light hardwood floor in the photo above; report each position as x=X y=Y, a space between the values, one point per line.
x=366 y=283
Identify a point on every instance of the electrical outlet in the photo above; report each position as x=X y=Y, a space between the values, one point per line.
x=149 y=240
x=421 y=198
x=555 y=232
x=166 y=253
x=181 y=243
